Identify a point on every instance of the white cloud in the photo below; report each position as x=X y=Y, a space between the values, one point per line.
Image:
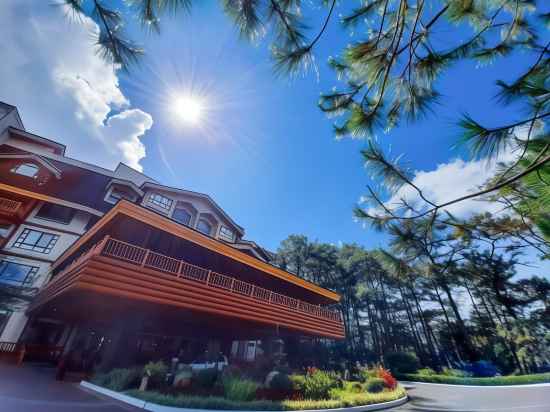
x=447 y=182
x=63 y=90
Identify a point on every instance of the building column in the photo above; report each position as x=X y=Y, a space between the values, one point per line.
x=14 y=327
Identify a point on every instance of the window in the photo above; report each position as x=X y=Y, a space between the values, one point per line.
x=115 y=195
x=204 y=226
x=160 y=201
x=57 y=213
x=34 y=240
x=182 y=216
x=16 y=273
x=227 y=234
x=26 y=169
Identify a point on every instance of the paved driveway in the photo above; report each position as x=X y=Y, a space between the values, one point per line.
x=34 y=389
x=435 y=398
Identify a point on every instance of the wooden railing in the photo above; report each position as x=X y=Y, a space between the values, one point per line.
x=9 y=206
x=127 y=252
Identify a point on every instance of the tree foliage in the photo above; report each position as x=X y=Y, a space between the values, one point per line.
x=448 y=305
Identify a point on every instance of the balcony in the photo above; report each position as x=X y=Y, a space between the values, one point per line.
x=119 y=268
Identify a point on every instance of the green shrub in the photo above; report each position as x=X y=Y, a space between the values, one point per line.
x=354 y=387
x=365 y=374
x=218 y=403
x=402 y=362
x=298 y=382
x=206 y=378
x=157 y=373
x=317 y=385
x=119 y=379
x=494 y=381
x=455 y=372
x=281 y=382
x=375 y=385
x=426 y=372
x=238 y=389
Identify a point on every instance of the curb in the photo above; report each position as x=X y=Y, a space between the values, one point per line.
x=153 y=407
x=519 y=385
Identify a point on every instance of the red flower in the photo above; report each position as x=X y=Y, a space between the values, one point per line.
x=311 y=370
x=389 y=381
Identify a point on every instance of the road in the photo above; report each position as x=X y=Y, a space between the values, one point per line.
x=34 y=389
x=428 y=397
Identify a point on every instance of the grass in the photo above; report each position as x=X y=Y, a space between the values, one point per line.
x=494 y=381
x=342 y=400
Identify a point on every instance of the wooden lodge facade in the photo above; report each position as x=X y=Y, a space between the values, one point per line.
x=115 y=260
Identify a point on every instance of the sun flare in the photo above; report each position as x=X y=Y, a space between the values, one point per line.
x=188 y=109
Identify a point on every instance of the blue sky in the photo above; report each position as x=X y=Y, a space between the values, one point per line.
x=265 y=152
x=277 y=166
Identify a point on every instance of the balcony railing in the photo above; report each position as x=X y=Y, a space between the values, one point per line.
x=127 y=252
x=9 y=206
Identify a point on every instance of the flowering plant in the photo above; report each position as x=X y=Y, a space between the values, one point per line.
x=389 y=381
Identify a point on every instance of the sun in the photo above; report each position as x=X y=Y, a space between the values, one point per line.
x=188 y=109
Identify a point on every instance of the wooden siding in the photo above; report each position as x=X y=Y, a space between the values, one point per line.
x=119 y=269
x=164 y=224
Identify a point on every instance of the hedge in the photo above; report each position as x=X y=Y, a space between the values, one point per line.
x=494 y=381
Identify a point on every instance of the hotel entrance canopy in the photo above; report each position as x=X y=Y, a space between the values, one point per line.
x=136 y=258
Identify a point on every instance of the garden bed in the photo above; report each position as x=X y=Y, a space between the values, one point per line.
x=237 y=389
x=471 y=381
x=154 y=402
x=219 y=403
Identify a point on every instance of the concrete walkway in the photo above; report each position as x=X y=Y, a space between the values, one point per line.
x=34 y=389
x=428 y=397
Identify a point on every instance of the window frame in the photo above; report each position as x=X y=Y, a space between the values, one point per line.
x=186 y=211
x=202 y=219
x=72 y=213
x=33 y=270
x=15 y=169
x=225 y=236
x=164 y=202
x=20 y=241
x=113 y=199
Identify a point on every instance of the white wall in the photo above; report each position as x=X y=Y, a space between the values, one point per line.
x=17 y=321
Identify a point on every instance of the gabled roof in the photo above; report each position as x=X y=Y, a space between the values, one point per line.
x=127 y=183
x=195 y=194
x=37 y=159
x=57 y=148
x=256 y=249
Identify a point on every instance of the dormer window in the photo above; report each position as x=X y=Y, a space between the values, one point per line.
x=182 y=216
x=204 y=226
x=26 y=169
x=227 y=234
x=161 y=201
x=115 y=194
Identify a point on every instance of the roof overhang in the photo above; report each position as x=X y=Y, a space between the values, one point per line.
x=47 y=198
x=131 y=185
x=58 y=148
x=160 y=222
